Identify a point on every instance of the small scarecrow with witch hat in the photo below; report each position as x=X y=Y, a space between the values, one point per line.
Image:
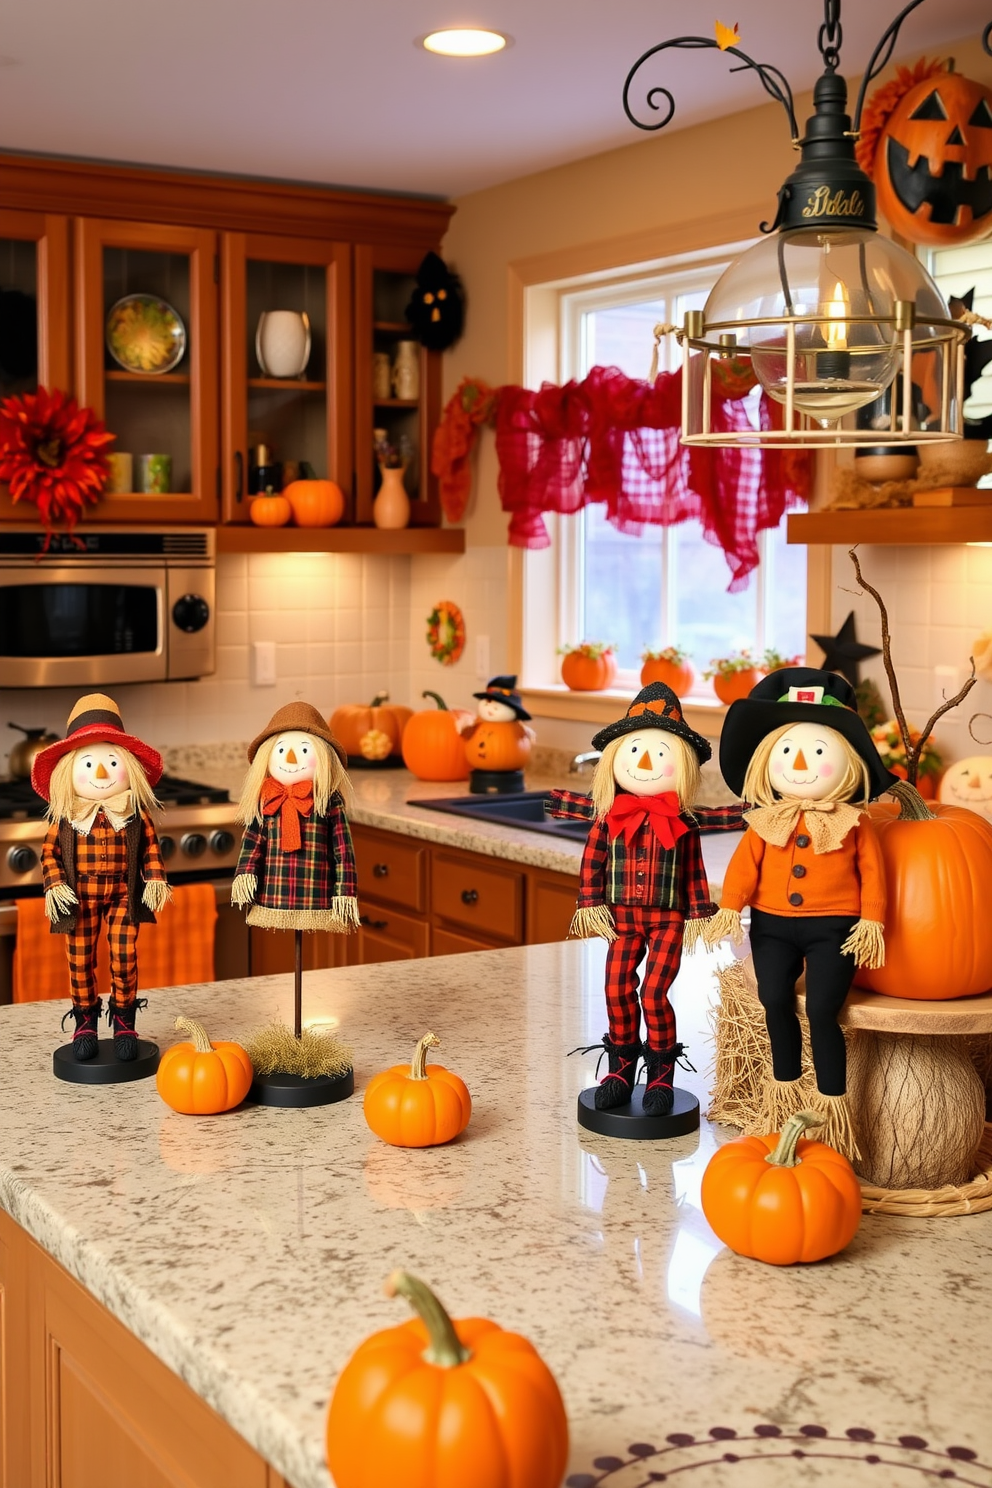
x=101 y=861
x=642 y=883
x=811 y=869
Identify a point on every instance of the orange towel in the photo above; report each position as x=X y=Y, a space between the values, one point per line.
x=176 y=950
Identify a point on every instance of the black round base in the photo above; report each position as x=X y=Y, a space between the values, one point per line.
x=496 y=782
x=630 y=1122
x=279 y=1089
x=391 y=762
x=105 y=1068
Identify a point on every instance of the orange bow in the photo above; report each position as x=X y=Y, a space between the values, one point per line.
x=629 y=813
x=293 y=801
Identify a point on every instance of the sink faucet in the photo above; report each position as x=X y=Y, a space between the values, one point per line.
x=591 y=757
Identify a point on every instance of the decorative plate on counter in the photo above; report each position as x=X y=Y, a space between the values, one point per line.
x=145 y=334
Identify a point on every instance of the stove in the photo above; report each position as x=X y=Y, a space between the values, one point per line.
x=197 y=831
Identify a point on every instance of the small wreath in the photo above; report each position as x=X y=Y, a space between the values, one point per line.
x=446 y=632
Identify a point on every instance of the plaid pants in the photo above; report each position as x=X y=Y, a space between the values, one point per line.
x=102 y=899
x=659 y=933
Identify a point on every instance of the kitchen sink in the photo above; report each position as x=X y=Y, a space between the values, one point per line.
x=524 y=810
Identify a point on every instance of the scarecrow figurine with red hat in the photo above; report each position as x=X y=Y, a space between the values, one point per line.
x=810 y=866
x=642 y=883
x=101 y=861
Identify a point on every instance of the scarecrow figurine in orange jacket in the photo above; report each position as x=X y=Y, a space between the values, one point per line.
x=811 y=869
x=642 y=883
x=101 y=861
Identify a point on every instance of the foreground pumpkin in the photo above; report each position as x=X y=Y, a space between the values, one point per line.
x=354 y=726
x=433 y=748
x=441 y=1404
x=410 y=1105
x=200 y=1078
x=782 y=1198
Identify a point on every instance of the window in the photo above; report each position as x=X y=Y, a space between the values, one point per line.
x=958 y=270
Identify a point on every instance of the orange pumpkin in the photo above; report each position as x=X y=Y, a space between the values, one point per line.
x=270 y=510
x=315 y=503
x=440 y=1402
x=589 y=667
x=932 y=161
x=411 y=1106
x=201 y=1078
x=351 y=724
x=498 y=746
x=734 y=685
x=938 y=932
x=663 y=667
x=781 y=1198
x=433 y=748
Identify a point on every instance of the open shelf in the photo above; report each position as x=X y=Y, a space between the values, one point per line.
x=251 y=539
x=395 y=327
x=163 y=379
x=396 y=403
x=893 y=526
x=288 y=384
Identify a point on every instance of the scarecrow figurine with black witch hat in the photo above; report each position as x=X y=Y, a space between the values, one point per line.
x=642 y=883
x=811 y=869
x=101 y=861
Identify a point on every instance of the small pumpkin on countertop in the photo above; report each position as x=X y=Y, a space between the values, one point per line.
x=433 y=747
x=201 y=1078
x=315 y=503
x=270 y=510
x=781 y=1198
x=410 y=1105
x=356 y=725
x=443 y=1402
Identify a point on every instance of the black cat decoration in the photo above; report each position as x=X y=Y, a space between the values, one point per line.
x=436 y=311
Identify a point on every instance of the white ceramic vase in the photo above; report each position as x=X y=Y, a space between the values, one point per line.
x=391 y=507
x=282 y=342
x=406 y=370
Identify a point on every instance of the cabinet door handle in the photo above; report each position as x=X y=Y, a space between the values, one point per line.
x=380 y=870
x=470 y=896
x=372 y=924
x=239 y=475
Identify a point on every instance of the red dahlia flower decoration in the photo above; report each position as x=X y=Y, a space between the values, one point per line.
x=52 y=454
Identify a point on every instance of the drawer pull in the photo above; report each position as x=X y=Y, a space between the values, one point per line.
x=470 y=896
x=372 y=924
x=380 y=870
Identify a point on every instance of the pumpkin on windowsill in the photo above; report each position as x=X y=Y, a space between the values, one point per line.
x=733 y=676
x=589 y=667
x=671 y=666
x=410 y=1105
x=433 y=748
x=360 y=729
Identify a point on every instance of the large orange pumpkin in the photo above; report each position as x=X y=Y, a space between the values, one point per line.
x=442 y=1404
x=933 y=158
x=270 y=510
x=781 y=1198
x=938 y=931
x=315 y=503
x=433 y=748
x=201 y=1078
x=589 y=667
x=498 y=746
x=669 y=666
x=355 y=725
x=410 y=1105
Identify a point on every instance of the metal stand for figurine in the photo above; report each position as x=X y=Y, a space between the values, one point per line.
x=281 y=1089
x=496 y=782
x=630 y=1123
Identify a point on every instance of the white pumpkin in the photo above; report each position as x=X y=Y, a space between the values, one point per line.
x=968 y=782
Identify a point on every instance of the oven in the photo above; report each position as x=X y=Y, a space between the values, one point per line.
x=107 y=606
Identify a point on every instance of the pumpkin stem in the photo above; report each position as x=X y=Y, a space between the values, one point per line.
x=784 y=1155
x=379 y=699
x=197 y=1032
x=445 y=1348
x=418 y=1065
x=437 y=698
x=912 y=806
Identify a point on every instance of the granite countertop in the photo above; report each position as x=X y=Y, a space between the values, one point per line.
x=248 y=1250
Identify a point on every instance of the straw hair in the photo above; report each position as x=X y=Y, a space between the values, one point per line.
x=330 y=777
x=687 y=773
x=63 y=798
x=854 y=784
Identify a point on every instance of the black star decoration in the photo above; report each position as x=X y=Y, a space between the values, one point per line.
x=844 y=652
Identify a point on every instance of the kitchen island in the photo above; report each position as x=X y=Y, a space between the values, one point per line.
x=247 y=1251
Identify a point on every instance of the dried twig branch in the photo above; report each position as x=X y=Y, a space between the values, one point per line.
x=945 y=707
x=971 y=728
x=887 y=660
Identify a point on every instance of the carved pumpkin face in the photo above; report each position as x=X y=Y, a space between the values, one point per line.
x=968 y=782
x=933 y=170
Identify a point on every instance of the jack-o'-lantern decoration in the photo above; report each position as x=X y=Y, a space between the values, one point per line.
x=968 y=782
x=926 y=141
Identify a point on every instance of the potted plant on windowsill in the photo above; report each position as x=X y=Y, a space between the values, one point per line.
x=671 y=666
x=733 y=676
x=590 y=666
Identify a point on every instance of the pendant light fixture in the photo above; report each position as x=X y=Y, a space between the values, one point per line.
x=841 y=327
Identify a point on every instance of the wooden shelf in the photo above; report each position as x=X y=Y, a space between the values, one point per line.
x=293 y=384
x=163 y=379
x=394 y=327
x=396 y=403
x=894 y=527
x=250 y=539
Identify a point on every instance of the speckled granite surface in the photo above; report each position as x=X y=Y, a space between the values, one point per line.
x=248 y=1250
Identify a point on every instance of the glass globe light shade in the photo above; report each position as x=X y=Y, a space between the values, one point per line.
x=824 y=301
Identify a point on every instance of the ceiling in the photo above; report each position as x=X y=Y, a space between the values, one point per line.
x=335 y=92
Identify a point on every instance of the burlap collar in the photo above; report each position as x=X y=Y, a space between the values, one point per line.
x=117 y=809
x=826 y=822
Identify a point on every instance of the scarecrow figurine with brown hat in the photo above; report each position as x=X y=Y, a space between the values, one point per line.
x=642 y=883
x=101 y=861
x=811 y=869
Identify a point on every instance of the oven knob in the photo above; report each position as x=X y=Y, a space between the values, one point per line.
x=22 y=859
x=191 y=613
x=222 y=842
x=193 y=844
x=167 y=847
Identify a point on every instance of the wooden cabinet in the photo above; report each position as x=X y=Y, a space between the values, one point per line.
x=478 y=895
x=391 y=868
x=84 y=1404
x=385 y=934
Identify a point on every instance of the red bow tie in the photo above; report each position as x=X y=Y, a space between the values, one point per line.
x=629 y=813
x=293 y=801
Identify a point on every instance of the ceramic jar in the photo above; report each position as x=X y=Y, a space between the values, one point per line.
x=406 y=370
x=382 y=377
x=391 y=507
x=282 y=343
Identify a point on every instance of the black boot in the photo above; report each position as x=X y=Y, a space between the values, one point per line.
x=616 y=1088
x=125 y=1038
x=660 y=1068
x=86 y=1039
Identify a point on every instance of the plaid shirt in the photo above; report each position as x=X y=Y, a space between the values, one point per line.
x=642 y=872
x=101 y=853
x=321 y=869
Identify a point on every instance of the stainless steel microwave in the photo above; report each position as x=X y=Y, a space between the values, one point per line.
x=123 y=604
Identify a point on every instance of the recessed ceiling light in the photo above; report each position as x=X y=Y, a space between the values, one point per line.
x=464 y=41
